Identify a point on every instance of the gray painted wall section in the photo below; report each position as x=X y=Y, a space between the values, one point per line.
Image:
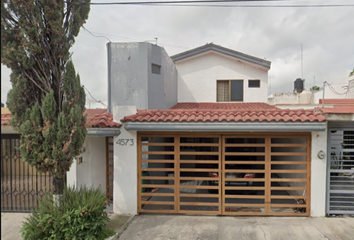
x=131 y=81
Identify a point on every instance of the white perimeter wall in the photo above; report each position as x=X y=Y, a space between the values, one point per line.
x=125 y=166
x=92 y=170
x=318 y=175
x=197 y=78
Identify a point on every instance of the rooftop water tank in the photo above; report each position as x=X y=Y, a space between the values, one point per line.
x=299 y=85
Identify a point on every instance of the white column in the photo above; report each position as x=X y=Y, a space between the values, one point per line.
x=125 y=165
x=318 y=175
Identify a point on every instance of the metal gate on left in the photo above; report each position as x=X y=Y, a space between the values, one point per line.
x=21 y=184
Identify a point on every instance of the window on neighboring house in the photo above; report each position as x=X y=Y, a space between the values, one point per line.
x=229 y=90
x=156 y=69
x=254 y=83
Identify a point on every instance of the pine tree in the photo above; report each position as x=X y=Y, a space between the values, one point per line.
x=47 y=100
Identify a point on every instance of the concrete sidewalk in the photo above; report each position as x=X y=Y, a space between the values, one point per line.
x=158 y=227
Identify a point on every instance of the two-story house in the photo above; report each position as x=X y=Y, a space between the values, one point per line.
x=197 y=136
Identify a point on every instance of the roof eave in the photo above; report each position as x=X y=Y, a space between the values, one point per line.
x=91 y=132
x=229 y=52
x=103 y=132
x=227 y=126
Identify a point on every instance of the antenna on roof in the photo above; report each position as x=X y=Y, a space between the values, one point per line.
x=156 y=40
x=302 y=65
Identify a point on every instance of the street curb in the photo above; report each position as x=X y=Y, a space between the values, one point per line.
x=122 y=228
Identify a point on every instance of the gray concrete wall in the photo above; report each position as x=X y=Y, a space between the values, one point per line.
x=127 y=75
x=130 y=78
x=162 y=89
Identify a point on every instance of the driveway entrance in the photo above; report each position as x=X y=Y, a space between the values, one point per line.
x=224 y=174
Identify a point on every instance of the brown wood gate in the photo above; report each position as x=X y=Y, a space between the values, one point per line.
x=223 y=174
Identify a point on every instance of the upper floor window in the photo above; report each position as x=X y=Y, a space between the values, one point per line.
x=156 y=69
x=254 y=83
x=229 y=90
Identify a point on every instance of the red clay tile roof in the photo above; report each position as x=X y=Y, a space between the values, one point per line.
x=95 y=118
x=5 y=118
x=100 y=118
x=224 y=106
x=218 y=112
x=347 y=101
x=339 y=106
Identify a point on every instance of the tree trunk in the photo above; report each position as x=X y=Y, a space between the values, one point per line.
x=58 y=185
x=58 y=189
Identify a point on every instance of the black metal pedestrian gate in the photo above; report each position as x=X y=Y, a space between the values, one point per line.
x=21 y=185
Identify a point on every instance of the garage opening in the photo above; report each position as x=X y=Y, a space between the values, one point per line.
x=240 y=174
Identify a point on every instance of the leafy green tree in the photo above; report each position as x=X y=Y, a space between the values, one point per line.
x=351 y=73
x=47 y=100
x=315 y=88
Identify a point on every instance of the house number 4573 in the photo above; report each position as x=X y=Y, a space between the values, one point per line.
x=125 y=142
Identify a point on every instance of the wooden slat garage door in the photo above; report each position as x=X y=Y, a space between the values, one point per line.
x=174 y=173
x=239 y=174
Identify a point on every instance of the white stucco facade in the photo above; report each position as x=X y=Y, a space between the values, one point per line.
x=125 y=166
x=92 y=170
x=197 y=77
x=305 y=98
x=318 y=174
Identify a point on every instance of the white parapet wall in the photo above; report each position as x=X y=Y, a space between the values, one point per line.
x=125 y=165
x=318 y=174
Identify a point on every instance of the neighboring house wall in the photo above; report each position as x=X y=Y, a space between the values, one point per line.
x=131 y=81
x=125 y=166
x=198 y=75
x=92 y=170
x=305 y=97
x=318 y=174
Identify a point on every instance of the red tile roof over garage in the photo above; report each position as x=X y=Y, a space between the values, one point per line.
x=218 y=112
x=339 y=106
x=224 y=106
x=95 y=118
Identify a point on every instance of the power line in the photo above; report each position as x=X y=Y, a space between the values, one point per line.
x=232 y=3
x=95 y=35
x=106 y=35
x=334 y=91
x=98 y=101
x=110 y=35
x=178 y=2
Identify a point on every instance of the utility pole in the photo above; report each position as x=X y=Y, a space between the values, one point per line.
x=324 y=84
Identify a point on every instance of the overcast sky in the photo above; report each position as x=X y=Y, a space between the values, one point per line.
x=276 y=34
